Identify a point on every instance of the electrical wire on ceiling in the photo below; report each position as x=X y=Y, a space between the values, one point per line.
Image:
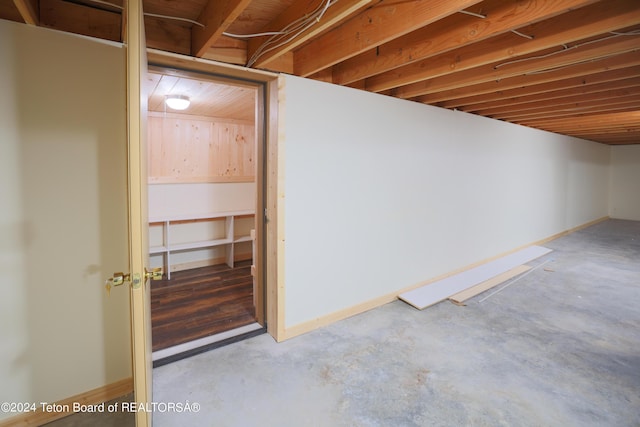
x=628 y=33
x=106 y=3
x=291 y=31
x=477 y=15
x=175 y=18
x=560 y=67
x=248 y=36
x=566 y=48
x=277 y=38
x=518 y=33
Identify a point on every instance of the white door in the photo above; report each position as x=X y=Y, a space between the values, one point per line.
x=73 y=213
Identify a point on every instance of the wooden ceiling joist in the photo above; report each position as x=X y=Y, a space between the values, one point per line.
x=600 y=106
x=549 y=100
x=624 y=132
x=545 y=62
x=216 y=18
x=229 y=50
x=608 y=128
x=420 y=47
x=615 y=137
x=624 y=61
x=565 y=66
x=79 y=19
x=28 y=10
x=505 y=96
x=167 y=36
x=388 y=20
x=587 y=22
x=541 y=91
x=591 y=122
x=333 y=15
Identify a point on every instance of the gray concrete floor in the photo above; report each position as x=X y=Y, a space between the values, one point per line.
x=558 y=347
x=107 y=419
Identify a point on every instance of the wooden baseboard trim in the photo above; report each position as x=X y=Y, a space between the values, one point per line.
x=572 y=230
x=208 y=262
x=319 y=322
x=91 y=397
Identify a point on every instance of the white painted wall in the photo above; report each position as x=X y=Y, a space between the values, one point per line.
x=382 y=194
x=14 y=375
x=184 y=199
x=625 y=182
x=63 y=226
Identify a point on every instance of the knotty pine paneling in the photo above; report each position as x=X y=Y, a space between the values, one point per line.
x=190 y=149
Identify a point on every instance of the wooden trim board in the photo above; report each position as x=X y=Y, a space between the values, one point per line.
x=286 y=333
x=488 y=284
x=433 y=293
x=276 y=210
x=91 y=397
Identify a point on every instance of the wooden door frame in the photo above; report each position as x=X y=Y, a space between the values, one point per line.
x=136 y=60
x=267 y=209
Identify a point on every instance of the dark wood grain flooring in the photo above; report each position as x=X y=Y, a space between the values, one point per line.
x=201 y=302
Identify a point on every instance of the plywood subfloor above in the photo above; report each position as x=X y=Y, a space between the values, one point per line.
x=440 y=290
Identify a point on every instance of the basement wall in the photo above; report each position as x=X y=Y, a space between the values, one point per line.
x=381 y=194
x=63 y=221
x=625 y=182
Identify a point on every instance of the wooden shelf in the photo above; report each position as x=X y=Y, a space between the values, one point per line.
x=200 y=245
x=199 y=216
x=172 y=224
x=157 y=250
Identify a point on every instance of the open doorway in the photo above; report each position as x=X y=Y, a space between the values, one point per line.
x=203 y=199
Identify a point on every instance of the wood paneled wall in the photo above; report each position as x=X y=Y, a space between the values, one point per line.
x=190 y=149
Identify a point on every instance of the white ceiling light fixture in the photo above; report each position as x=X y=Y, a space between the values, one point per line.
x=177 y=102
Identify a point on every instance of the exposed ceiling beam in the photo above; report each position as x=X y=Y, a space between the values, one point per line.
x=80 y=19
x=216 y=17
x=337 y=12
x=168 y=36
x=551 y=99
x=591 y=122
x=504 y=97
x=451 y=33
x=629 y=102
x=607 y=128
x=28 y=10
x=631 y=59
x=621 y=140
x=610 y=131
x=589 y=51
x=588 y=124
x=227 y=49
x=620 y=135
x=586 y=22
x=530 y=62
x=377 y=25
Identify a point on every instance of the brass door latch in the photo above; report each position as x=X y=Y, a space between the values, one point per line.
x=119 y=278
x=153 y=274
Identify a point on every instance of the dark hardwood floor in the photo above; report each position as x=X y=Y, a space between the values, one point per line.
x=201 y=302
